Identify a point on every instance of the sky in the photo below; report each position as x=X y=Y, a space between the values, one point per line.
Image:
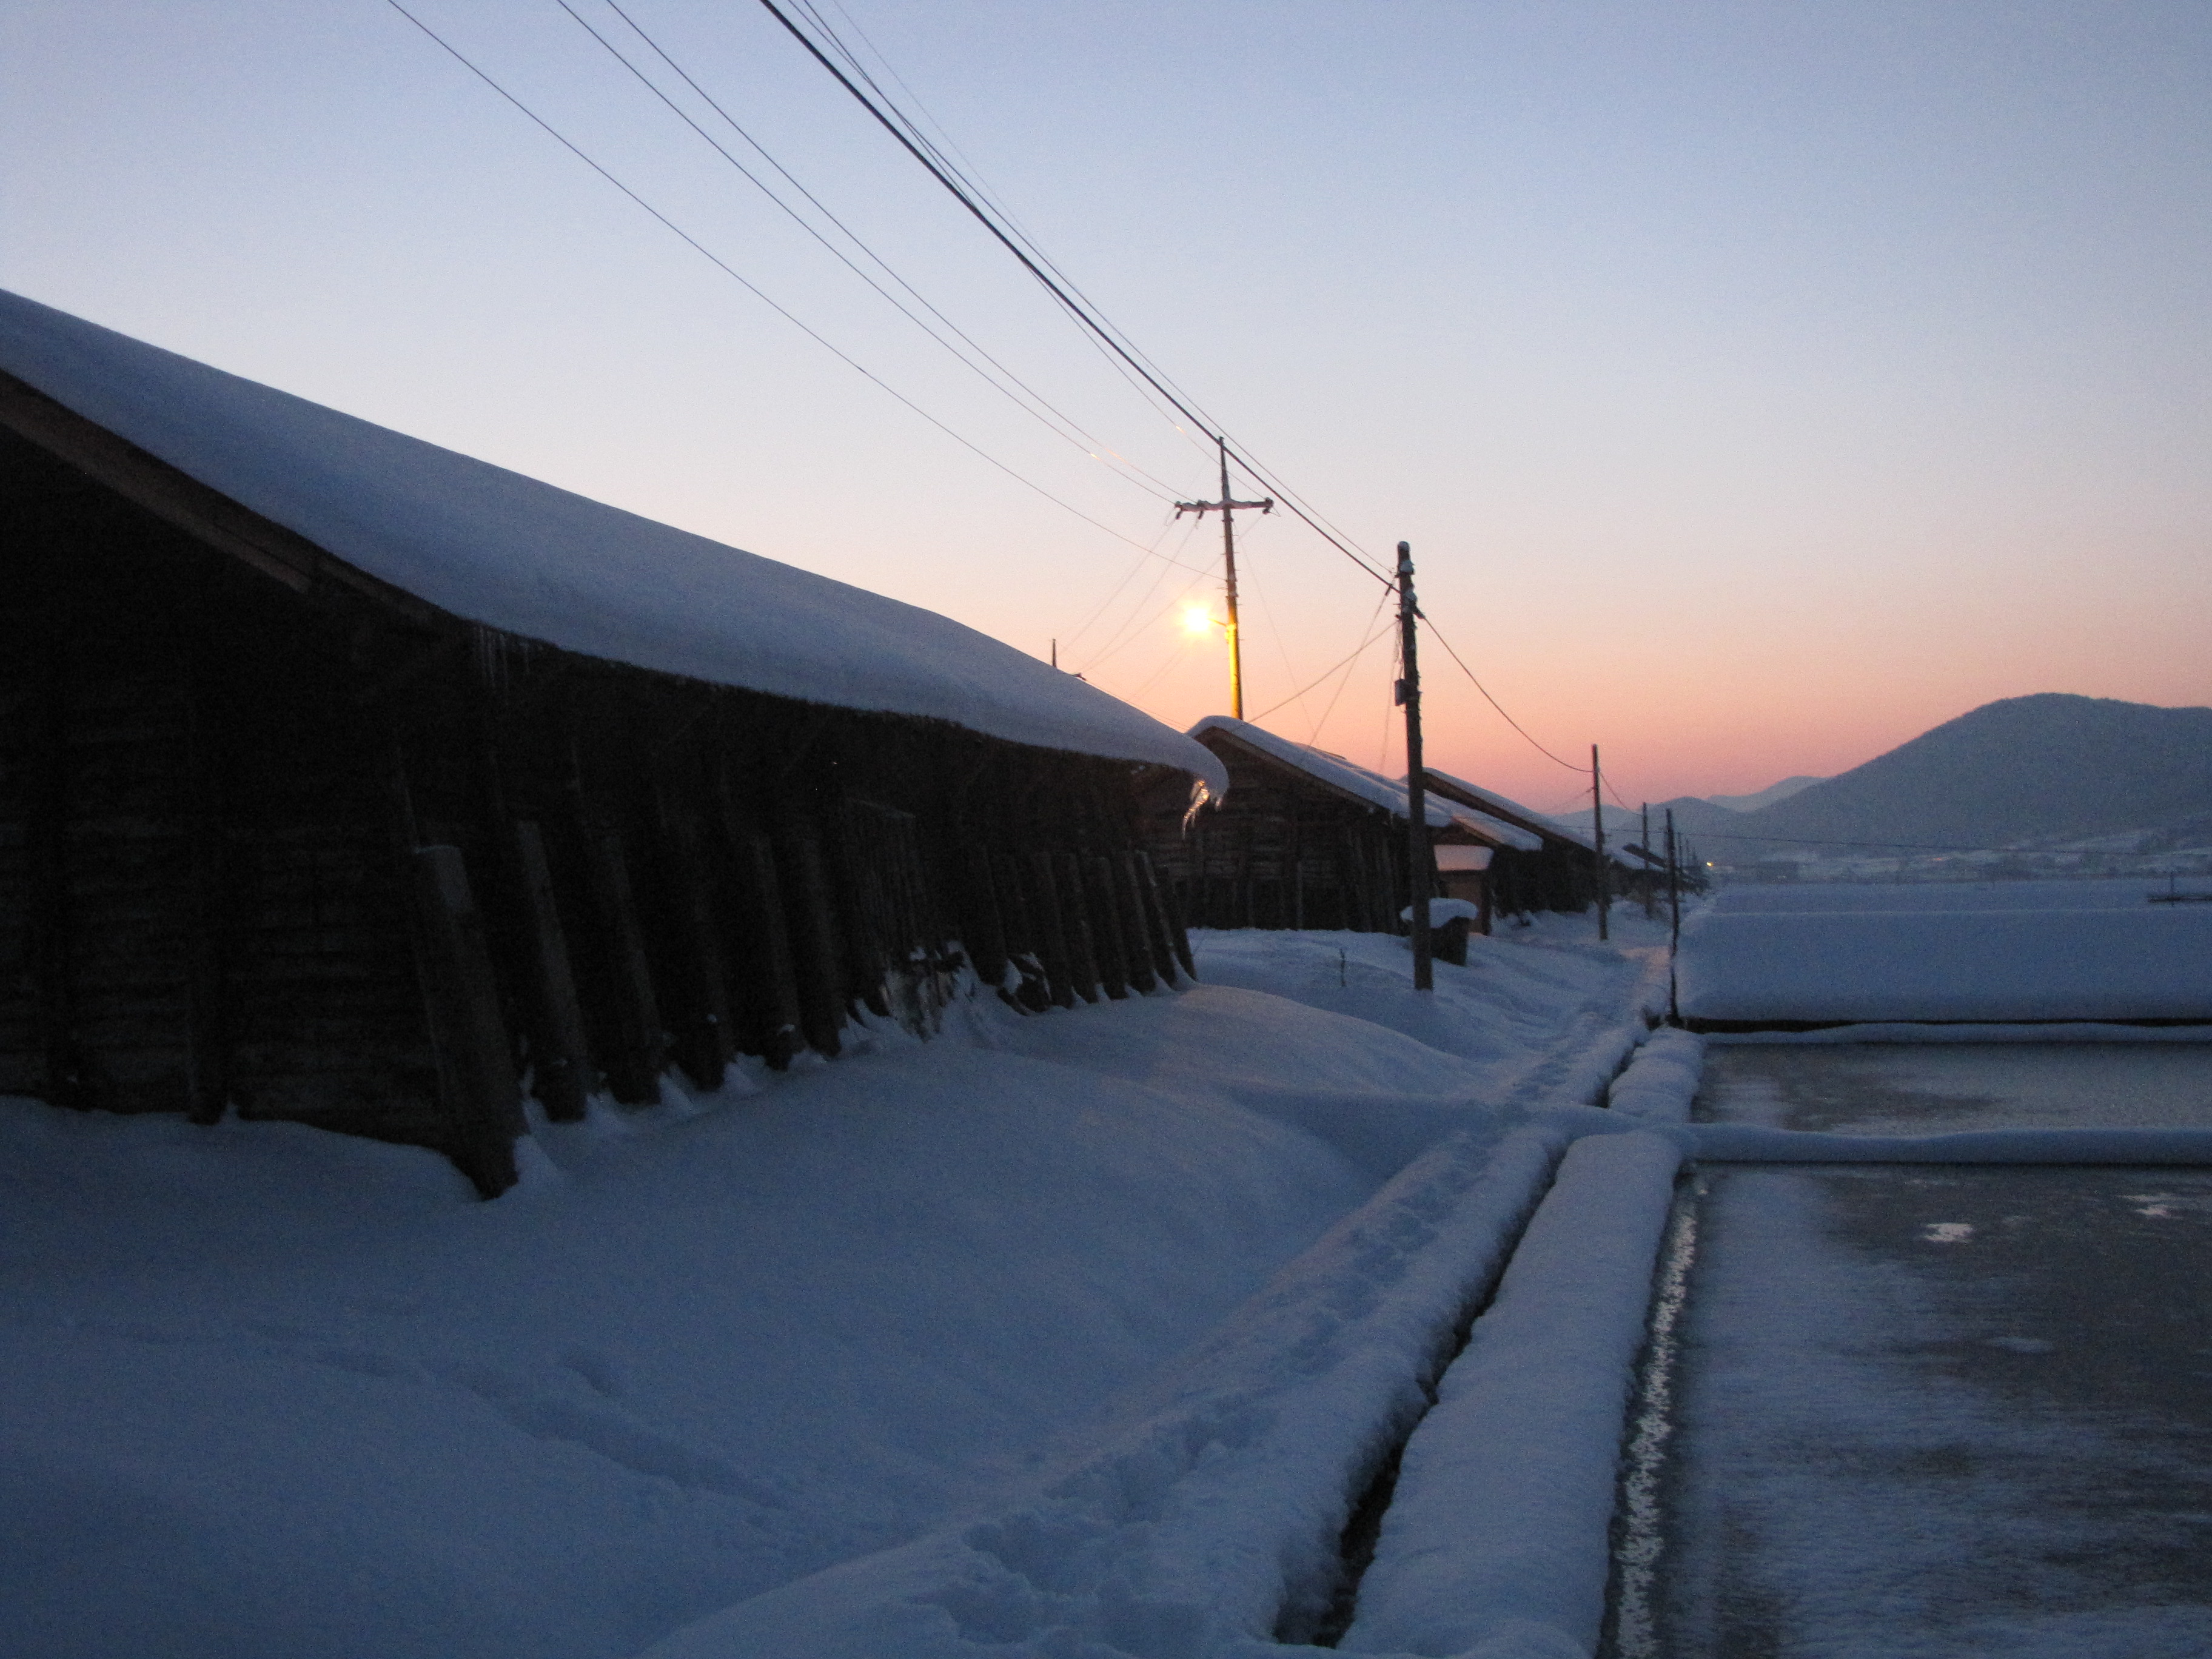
x=1757 y=384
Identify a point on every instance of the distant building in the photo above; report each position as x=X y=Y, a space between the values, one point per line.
x=1307 y=839
x=1558 y=871
x=346 y=780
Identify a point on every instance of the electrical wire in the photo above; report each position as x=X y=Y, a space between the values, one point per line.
x=1166 y=529
x=1335 y=697
x=731 y=272
x=1437 y=634
x=1055 y=282
x=854 y=237
x=1129 y=637
x=1345 y=661
x=1038 y=408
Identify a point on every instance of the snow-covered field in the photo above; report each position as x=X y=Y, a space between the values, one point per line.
x=862 y=1337
x=2026 y=950
x=1819 y=897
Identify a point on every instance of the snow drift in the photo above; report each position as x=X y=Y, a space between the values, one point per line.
x=1146 y=1282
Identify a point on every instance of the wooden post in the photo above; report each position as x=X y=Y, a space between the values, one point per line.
x=1106 y=926
x=1650 y=886
x=1075 y=917
x=1597 y=837
x=476 y=1067
x=1025 y=947
x=813 y=920
x=1178 y=929
x=1054 y=954
x=560 y=1063
x=633 y=1071
x=763 y=969
x=777 y=1027
x=67 y=1082
x=1420 y=866
x=701 y=981
x=1157 y=930
x=1674 y=914
x=1673 y=887
x=212 y=912
x=1136 y=926
x=982 y=929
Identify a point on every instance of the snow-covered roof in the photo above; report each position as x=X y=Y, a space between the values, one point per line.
x=1369 y=787
x=504 y=550
x=1513 y=809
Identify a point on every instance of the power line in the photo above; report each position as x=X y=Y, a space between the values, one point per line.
x=1343 y=661
x=1437 y=634
x=1052 y=419
x=1337 y=696
x=731 y=272
x=1062 y=289
x=1166 y=528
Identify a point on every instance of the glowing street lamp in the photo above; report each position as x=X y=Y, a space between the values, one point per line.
x=1196 y=619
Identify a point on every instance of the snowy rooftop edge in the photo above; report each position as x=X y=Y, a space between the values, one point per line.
x=494 y=547
x=1505 y=803
x=1369 y=787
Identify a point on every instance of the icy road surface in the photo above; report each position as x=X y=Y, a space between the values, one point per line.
x=1941 y=1411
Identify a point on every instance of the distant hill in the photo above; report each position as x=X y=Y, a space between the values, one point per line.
x=2033 y=768
x=1692 y=816
x=1767 y=797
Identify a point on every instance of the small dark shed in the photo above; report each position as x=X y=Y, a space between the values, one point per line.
x=346 y=780
x=1304 y=838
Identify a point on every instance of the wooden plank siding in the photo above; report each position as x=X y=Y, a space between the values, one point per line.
x=1283 y=851
x=215 y=787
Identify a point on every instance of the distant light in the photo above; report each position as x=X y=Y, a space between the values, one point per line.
x=1196 y=619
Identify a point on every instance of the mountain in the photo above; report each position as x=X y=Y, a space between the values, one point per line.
x=1693 y=816
x=1767 y=797
x=2042 y=768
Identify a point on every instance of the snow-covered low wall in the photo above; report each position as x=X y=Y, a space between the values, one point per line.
x=1752 y=1143
x=1495 y=1541
x=2151 y=962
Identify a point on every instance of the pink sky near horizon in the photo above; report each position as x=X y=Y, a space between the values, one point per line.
x=1760 y=383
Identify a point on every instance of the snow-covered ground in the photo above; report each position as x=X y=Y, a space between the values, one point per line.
x=1877 y=953
x=1943 y=1411
x=1817 y=898
x=272 y=1392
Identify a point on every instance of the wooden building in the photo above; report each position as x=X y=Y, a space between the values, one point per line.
x=1302 y=839
x=1554 y=869
x=350 y=780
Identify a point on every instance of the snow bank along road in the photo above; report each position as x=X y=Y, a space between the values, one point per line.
x=1081 y=1333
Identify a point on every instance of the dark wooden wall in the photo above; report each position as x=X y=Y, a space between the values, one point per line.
x=1557 y=877
x=1281 y=851
x=217 y=795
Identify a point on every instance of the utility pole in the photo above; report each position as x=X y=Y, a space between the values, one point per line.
x=1674 y=932
x=1674 y=886
x=1597 y=824
x=1419 y=870
x=1227 y=509
x=1650 y=912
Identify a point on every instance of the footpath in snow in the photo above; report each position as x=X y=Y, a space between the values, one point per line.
x=1079 y=1333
